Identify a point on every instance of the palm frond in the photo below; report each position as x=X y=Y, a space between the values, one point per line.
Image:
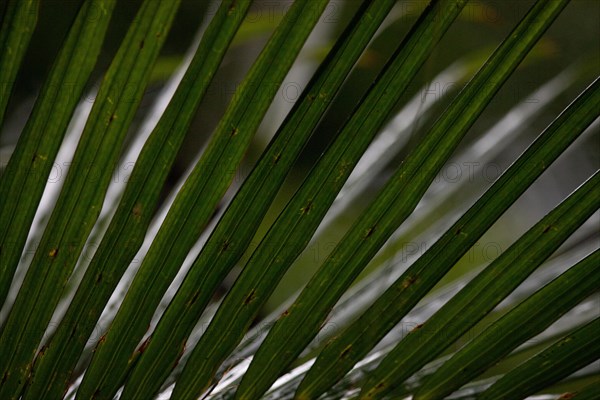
x=167 y=283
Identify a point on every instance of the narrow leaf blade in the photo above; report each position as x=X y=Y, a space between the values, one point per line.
x=525 y=321
x=295 y=225
x=240 y=221
x=391 y=207
x=484 y=292
x=127 y=227
x=80 y=200
x=18 y=24
x=196 y=201
x=26 y=174
x=362 y=335
x=569 y=354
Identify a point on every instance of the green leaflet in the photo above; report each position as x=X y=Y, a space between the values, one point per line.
x=130 y=222
x=483 y=293
x=569 y=354
x=45 y=354
x=361 y=336
x=25 y=176
x=81 y=198
x=590 y=392
x=238 y=225
x=526 y=320
x=196 y=201
x=18 y=24
x=290 y=234
x=303 y=320
x=23 y=183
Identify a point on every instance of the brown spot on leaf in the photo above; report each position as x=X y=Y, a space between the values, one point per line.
x=53 y=253
x=306 y=209
x=251 y=296
x=370 y=232
x=231 y=9
x=460 y=231
x=195 y=298
x=408 y=281
x=144 y=346
x=225 y=246
x=38 y=157
x=548 y=229
x=346 y=351
x=137 y=211
x=179 y=355
x=42 y=351
x=567 y=396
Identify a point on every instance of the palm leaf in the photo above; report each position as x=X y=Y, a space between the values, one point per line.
x=18 y=23
x=169 y=285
